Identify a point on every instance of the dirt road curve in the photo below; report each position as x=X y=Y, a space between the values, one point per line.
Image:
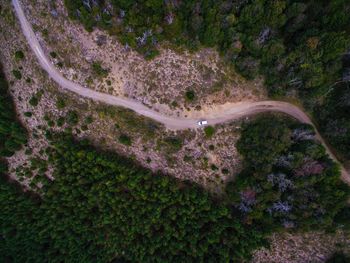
x=218 y=114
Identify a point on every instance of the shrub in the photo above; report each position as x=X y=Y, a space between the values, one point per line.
x=342 y=218
x=99 y=70
x=88 y=120
x=60 y=103
x=19 y=54
x=50 y=123
x=17 y=74
x=150 y=54
x=173 y=143
x=225 y=171
x=209 y=131
x=28 y=114
x=124 y=139
x=190 y=95
x=34 y=101
x=53 y=54
x=72 y=118
x=214 y=167
x=60 y=121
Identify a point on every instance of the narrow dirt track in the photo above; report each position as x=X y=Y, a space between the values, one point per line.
x=216 y=115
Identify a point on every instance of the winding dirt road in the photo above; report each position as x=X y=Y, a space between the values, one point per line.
x=217 y=114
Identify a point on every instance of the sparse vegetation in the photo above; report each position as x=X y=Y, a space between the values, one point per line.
x=127 y=120
x=99 y=70
x=173 y=143
x=60 y=103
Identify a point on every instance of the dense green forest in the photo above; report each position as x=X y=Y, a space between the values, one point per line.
x=334 y=116
x=288 y=179
x=12 y=134
x=103 y=208
x=296 y=45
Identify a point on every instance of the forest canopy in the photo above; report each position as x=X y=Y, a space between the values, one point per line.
x=12 y=134
x=288 y=180
x=102 y=208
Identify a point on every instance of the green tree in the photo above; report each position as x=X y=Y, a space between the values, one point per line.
x=262 y=141
x=12 y=134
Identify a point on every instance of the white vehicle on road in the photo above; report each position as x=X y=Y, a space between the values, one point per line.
x=202 y=123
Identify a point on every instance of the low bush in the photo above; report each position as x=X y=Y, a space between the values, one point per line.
x=190 y=95
x=72 y=118
x=124 y=139
x=17 y=74
x=99 y=70
x=60 y=103
x=209 y=131
x=19 y=54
